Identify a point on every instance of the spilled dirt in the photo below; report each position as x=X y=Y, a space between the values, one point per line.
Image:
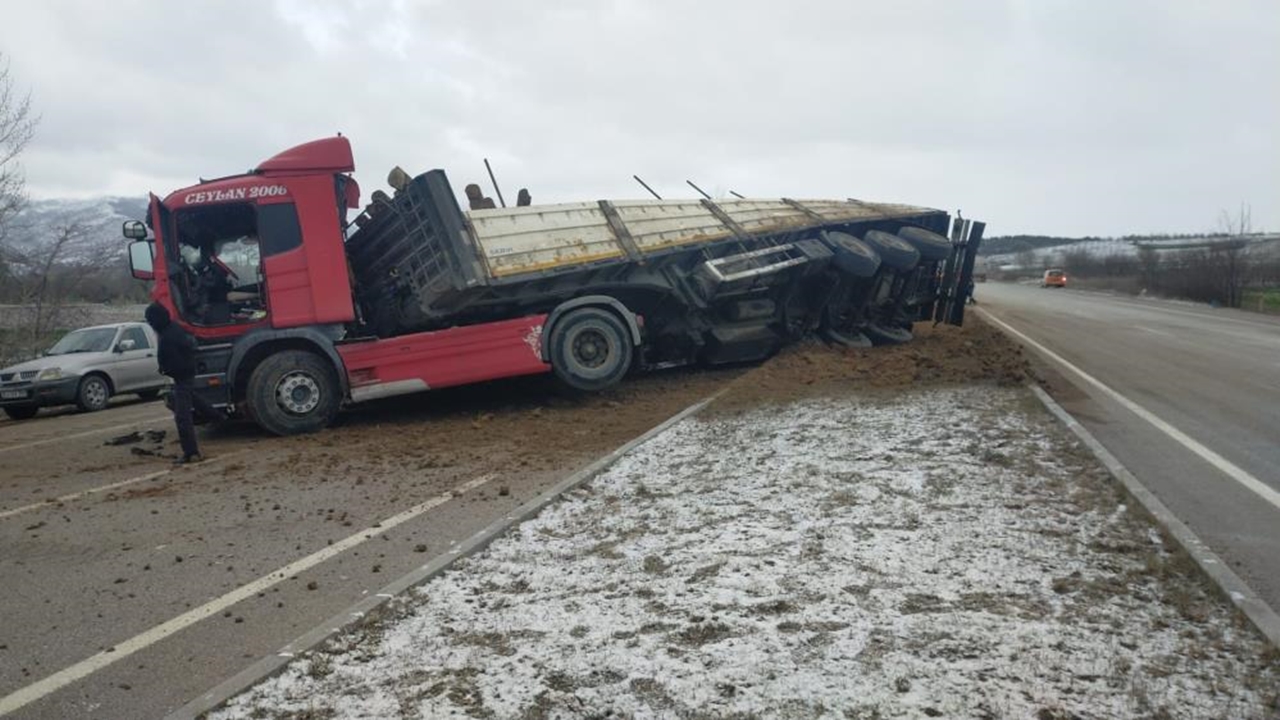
x=532 y=425
x=939 y=355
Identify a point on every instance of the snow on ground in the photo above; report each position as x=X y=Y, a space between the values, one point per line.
x=943 y=553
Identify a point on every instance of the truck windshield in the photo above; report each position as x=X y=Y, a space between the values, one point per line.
x=82 y=341
x=221 y=273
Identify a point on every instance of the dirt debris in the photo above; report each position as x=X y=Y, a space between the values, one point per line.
x=939 y=355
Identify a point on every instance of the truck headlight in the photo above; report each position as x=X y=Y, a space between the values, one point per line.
x=52 y=373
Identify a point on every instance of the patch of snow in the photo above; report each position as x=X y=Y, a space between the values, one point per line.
x=943 y=553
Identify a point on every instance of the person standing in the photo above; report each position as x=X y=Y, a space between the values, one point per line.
x=177 y=359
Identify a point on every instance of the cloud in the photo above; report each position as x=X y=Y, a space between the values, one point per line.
x=1056 y=117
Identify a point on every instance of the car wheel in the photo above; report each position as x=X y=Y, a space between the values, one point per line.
x=93 y=393
x=22 y=412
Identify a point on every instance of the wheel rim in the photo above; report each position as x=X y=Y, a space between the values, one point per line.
x=297 y=393
x=590 y=348
x=95 y=392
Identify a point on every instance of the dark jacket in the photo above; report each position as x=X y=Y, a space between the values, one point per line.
x=177 y=353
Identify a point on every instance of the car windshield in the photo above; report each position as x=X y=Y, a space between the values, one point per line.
x=81 y=341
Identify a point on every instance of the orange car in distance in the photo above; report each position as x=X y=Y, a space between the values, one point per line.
x=1054 y=277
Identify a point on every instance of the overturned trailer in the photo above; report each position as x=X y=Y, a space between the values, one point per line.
x=298 y=312
x=711 y=281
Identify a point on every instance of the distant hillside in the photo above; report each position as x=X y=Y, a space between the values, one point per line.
x=101 y=218
x=1011 y=244
x=1014 y=244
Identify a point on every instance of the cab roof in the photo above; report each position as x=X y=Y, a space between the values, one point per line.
x=324 y=156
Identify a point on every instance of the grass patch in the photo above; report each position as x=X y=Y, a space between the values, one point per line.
x=1263 y=300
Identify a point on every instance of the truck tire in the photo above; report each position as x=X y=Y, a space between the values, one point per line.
x=22 y=412
x=931 y=246
x=590 y=349
x=852 y=256
x=293 y=392
x=886 y=335
x=845 y=338
x=895 y=253
x=93 y=393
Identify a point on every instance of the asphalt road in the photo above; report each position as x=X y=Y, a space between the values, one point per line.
x=1212 y=374
x=129 y=587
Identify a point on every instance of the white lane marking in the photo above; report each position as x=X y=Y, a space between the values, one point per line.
x=1230 y=469
x=1154 y=331
x=122 y=650
x=86 y=433
x=112 y=486
x=77 y=495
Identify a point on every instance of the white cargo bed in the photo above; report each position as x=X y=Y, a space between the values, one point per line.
x=513 y=241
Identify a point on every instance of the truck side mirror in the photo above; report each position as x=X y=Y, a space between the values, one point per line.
x=141 y=259
x=134 y=230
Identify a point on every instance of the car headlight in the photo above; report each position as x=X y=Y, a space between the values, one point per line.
x=52 y=373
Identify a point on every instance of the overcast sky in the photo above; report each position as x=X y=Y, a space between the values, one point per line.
x=1056 y=117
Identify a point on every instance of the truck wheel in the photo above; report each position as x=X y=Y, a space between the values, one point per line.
x=852 y=256
x=22 y=412
x=931 y=246
x=886 y=335
x=93 y=393
x=590 y=349
x=293 y=392
x=845 y=338
x=895 y=253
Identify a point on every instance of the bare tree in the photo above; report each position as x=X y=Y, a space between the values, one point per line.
x=46 y=292
x=1239 y=225
x=1149 y=258
x=17 y=128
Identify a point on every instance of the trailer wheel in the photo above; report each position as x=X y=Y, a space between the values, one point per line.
x=590 y=349
x=293 y=392
x=887 y=335
x=852 y=256
x=895 y=253
x=845 y=338
x=931 y=246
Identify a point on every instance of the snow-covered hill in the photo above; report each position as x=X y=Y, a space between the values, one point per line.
x=41 y=221
x=1267 y=245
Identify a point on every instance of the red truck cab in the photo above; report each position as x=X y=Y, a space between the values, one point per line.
x=254 y=267
x=229 y=253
